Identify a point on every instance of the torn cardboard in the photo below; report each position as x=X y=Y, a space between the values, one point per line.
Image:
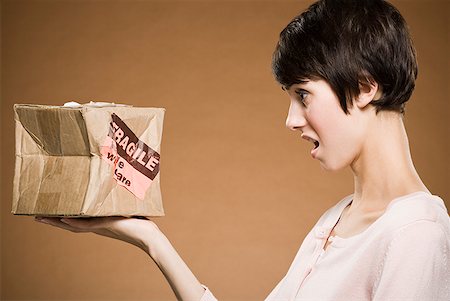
x=87 y=161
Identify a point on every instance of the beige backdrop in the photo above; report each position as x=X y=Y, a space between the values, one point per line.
x=240 y=190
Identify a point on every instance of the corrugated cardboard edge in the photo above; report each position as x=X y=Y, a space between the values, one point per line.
x=18 y=163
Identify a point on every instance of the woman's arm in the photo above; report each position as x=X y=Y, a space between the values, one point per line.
x=146 y=235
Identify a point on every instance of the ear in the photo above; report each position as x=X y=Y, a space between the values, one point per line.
x=368 y=91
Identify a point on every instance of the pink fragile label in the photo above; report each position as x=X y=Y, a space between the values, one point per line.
x=135 y=164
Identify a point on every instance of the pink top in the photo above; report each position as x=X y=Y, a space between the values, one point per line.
x=403 y=255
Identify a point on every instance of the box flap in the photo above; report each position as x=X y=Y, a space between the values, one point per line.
x=58 y=131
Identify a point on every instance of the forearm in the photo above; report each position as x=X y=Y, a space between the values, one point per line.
x=144 y=234
x=182 y=281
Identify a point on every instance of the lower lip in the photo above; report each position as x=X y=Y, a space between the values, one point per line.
x=314 y=152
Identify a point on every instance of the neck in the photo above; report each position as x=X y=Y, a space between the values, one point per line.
x=386 y=153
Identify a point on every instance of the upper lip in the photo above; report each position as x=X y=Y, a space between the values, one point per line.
x=314 y=141
x=306 y=137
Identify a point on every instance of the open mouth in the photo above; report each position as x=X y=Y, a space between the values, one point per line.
x=316 y=144
x=314 y=141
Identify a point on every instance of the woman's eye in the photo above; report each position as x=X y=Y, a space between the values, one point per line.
x=302 y=96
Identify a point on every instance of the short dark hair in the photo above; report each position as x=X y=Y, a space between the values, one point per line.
x=346 y=42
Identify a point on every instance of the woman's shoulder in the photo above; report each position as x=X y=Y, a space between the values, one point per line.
x=416 y=207
x=420 y=210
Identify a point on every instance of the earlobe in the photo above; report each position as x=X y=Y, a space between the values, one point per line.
x=368 y=91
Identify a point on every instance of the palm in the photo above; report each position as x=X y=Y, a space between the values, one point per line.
x=131 y=230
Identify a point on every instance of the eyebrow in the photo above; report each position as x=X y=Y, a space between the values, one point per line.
x=302 y=81
x=300 y=90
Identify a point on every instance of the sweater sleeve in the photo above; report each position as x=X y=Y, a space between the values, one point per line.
x=416 y=265
x=207 y=296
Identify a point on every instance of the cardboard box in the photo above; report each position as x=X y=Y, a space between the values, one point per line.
x=87 y=160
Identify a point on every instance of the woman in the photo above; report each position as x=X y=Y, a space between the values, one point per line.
x=348 y=67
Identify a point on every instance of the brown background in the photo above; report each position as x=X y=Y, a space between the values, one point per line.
x=240 y=190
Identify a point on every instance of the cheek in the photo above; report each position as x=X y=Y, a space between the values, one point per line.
x=347 y=145
x=329 y=123
x=339 y=138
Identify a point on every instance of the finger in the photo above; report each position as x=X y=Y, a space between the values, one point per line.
x=85 y=224
x=91 y=223
x=54 y=221
x=140 y=217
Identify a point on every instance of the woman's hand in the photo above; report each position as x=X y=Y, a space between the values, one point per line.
x=144 y=234
x=136 y=231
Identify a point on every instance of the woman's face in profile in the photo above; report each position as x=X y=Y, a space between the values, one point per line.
x=336 y=138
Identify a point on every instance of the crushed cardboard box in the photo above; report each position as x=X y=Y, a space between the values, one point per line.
x=87 y=160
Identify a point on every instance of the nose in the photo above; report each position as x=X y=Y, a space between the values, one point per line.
x=295 y=119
